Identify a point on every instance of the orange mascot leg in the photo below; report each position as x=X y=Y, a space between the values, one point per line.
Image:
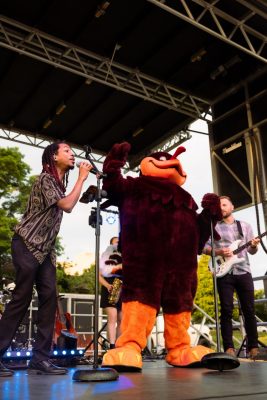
x=177 y=341
x=137 y=323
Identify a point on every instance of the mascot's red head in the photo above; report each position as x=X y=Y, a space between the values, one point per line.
x=164 y=165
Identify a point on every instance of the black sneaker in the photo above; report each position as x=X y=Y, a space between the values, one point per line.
x=4 y=371
x=45 y=367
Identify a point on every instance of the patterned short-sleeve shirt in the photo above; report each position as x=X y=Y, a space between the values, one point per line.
x=41 y=221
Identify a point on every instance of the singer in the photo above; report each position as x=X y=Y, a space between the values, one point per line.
x=33 y=255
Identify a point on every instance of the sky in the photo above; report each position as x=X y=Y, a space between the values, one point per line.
x=78 y=237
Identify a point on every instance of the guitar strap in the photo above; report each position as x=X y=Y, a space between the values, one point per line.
x=239 y=228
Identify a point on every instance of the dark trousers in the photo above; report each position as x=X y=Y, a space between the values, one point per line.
x=28 y=273
x=243 y=284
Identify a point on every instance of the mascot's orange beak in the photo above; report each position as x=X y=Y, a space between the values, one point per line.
x=170 y=168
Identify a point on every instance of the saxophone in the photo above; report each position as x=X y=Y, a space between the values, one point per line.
x=115 y=293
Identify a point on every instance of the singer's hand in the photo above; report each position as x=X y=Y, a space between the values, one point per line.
x=84 y=169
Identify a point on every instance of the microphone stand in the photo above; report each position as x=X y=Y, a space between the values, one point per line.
x=218 y=361
x=97 y=373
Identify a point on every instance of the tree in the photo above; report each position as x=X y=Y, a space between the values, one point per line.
x=260 y=308
x=13 y=176
x=84 y=283
x=13 y=171
x=16 y=203
x=204 y=296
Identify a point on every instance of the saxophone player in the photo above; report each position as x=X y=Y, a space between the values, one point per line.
x=110 y=271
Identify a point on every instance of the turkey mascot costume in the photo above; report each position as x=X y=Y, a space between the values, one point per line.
x=161 y=235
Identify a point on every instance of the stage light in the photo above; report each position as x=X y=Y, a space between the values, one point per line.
x=198 y=55
x=137 y=132
x=26 y=354
x=47 y=123
x=101 y=9
x=60 y=108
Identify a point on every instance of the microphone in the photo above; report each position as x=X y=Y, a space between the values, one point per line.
x=92 y=171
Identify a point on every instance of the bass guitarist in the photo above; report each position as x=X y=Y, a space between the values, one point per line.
x=238 y=278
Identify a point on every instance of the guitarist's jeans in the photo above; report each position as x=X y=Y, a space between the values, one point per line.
x=28 y=273
x=243 y=284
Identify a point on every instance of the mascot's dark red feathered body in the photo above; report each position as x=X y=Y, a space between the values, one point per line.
x=161 y=235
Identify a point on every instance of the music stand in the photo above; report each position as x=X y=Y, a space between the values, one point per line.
x=96 y=373
x=218 y=361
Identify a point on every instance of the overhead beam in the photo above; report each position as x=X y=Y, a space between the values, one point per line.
x=33 y=43
x=218 y=16
x=41 y=141
x=174 y=139
x=30 y=139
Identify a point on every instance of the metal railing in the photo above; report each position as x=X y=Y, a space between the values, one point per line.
x=81 y=309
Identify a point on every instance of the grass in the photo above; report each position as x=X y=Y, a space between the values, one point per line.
x=237 y=335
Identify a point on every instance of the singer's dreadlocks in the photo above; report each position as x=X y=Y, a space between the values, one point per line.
x=49 y=165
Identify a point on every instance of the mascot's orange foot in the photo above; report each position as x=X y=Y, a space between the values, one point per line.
x=187 y=356
x=123 y=359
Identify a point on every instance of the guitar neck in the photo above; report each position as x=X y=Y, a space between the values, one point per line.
x=60 y=310
x=236 y=251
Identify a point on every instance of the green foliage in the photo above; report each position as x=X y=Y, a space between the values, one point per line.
x=16 y=203
x=59 y=247
x=205 y=295
x=13 y=171
x=260 y=308
x=6 y=231
x=13 y=181
x=84 y=283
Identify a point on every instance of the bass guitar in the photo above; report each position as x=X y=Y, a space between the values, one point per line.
x=224 y=264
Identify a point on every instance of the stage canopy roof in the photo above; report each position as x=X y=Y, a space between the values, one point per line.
x=98 y=72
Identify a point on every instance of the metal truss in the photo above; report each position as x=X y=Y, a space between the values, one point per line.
x=93 y=67
x=238 y=33
x=41 y=142
x=167 y=145
x=172 y=142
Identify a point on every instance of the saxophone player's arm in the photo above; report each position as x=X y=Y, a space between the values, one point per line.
x=116 y=268
x=105 y=283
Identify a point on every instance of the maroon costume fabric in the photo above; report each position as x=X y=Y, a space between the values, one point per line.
x=161 y=235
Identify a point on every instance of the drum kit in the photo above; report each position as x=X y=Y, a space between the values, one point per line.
x=25 y=334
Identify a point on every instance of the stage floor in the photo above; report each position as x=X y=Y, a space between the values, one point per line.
x=158 y=381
